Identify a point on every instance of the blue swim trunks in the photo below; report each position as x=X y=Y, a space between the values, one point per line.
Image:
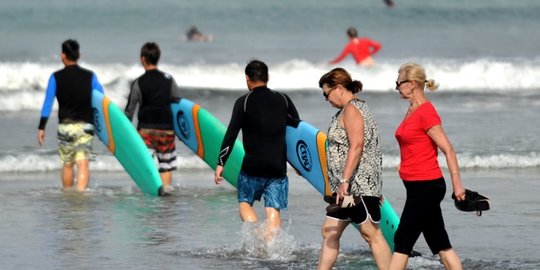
x=274 y=190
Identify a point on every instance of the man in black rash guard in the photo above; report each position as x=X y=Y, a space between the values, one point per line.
x=262 y=114
x=154 y=91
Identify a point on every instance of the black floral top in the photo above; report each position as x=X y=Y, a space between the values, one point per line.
x=367 y=178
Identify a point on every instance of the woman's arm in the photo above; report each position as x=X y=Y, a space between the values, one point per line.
x=437 y=134
x=353 y=122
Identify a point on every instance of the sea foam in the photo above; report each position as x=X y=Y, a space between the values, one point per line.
x=22 y=84
x=32 y=162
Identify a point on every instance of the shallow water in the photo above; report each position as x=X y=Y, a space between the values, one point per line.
x=114 y=225
x=488 y=101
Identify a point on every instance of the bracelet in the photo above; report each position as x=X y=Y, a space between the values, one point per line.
x=343 y=180
x=454 y=172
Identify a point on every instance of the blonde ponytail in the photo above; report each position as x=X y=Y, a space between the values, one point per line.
x=431 y=85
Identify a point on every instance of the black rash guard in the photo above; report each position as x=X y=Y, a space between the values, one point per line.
x=154 y=90
x=72 y=86
x=263 y=115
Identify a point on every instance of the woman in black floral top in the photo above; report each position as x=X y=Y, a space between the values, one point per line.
x=354 y=167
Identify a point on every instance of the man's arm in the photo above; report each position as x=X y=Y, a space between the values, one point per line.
x=232 y=132
x=228 y=140
x=293 y=118
x=48 y=103
x=175 y=92
x=375 y=46
x=133 y=100
x=343 y=54
x=50 y=94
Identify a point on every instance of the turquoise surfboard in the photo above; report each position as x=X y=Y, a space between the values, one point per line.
x=306 y=151
x=203 y=133
x=115 y=130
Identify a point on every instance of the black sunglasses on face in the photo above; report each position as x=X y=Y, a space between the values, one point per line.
x=326 y=94
x=399 y=83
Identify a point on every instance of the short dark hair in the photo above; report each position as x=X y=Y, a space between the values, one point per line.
x=257 y=71
x=70 y=48
x=151 y=52
x=351 y=32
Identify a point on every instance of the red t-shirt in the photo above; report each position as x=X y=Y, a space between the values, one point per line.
x=360 y=48
x=418 y=150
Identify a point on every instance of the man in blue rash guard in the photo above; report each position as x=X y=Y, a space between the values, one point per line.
x=263 y=115
x=72 y=86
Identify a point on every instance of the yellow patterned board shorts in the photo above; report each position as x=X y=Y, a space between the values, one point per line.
x=75 y=141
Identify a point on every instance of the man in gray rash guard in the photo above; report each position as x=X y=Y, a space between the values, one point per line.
x=154 y=91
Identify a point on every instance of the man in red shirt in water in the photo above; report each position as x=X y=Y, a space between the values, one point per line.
x=361 y=49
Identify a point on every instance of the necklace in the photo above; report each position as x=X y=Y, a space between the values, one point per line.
x=412 y=108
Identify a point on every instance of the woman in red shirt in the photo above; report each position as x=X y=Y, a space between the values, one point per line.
x=420 y=135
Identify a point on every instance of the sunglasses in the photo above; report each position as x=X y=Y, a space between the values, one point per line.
x=399 y=83
x=326 y=94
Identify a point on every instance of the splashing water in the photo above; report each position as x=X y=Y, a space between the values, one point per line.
x=255 y=242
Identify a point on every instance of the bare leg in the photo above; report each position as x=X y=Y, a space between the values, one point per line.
x=67 y=175
x=450 y=259
x=83 y=174
x=166 y=178
x=331 y=233
x=379 y=247
x=273 y=222
x=247 y=213
x=399 y=261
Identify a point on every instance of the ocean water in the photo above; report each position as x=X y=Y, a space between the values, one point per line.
x=483 y=53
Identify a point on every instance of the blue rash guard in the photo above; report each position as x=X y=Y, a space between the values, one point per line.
x=72 y=86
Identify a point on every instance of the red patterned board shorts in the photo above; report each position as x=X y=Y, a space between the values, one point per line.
x=161 y=144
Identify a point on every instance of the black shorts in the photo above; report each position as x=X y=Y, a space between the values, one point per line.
x=422 y=214
x=368 y=207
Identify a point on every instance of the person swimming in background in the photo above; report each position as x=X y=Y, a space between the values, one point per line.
x=193 y=34
x=361 y=49
x=389 y=3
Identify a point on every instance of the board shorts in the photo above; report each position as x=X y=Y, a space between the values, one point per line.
x=422 y=214
x=274 y=190
x=162 y=145
x=368 y=208
x=75 y=141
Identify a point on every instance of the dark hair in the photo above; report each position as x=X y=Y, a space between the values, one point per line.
x=339 y=76
x=257 y=71
x=151 y=52
x=351 y=32
x=70 y=48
